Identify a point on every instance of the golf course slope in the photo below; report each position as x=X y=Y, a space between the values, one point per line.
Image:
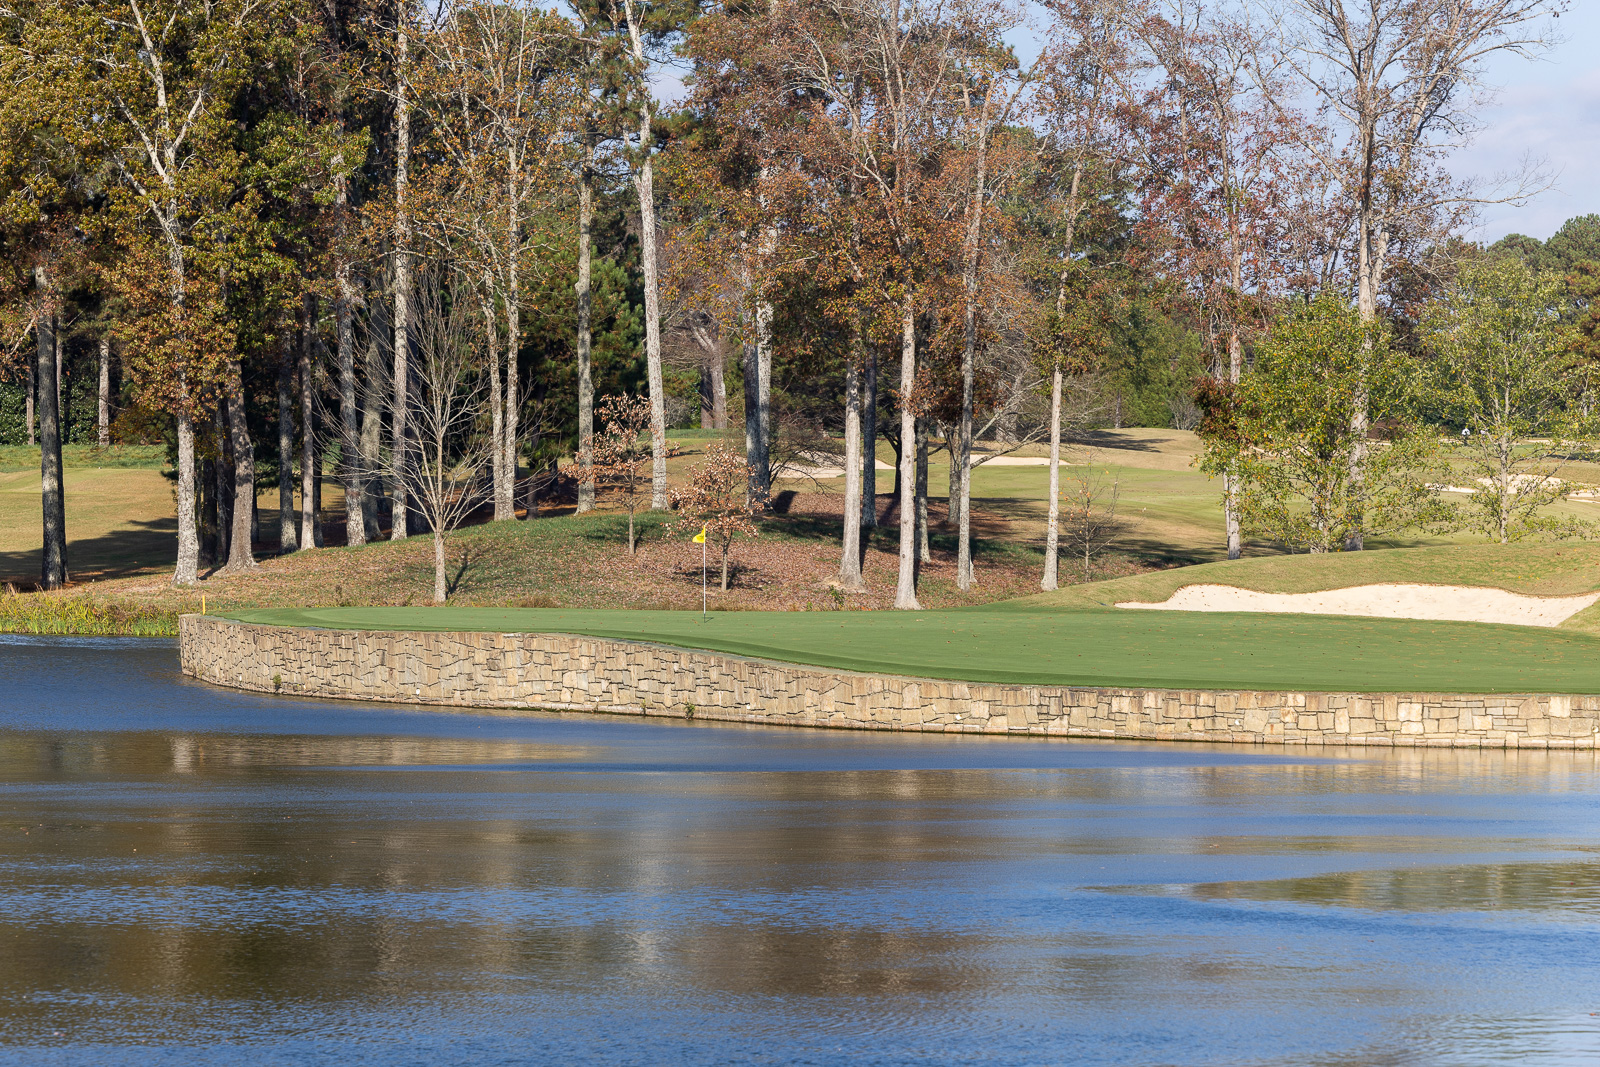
x=1076 y=637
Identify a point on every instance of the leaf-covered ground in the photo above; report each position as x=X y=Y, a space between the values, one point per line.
x=583 y=562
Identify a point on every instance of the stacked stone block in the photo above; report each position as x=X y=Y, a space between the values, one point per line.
x=567 y=672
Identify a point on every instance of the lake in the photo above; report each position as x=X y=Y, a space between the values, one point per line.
x=191 y=875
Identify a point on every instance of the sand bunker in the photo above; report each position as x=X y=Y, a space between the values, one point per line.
x=1451 y=602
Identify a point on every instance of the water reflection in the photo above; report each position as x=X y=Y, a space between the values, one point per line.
x=241 y=879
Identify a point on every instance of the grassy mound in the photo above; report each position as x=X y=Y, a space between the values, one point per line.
x=1049 y=646
x=1559 y=569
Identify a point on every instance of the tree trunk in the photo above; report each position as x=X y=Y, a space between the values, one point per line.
x=400 y=446
x=287 y=541
x=352 y=463
x=961 y=452
x=952 y=507
x=585 y=339
x=63 y=411
x=1052 y=524
x=719 y=393
x=850 y=550
x=103 y=409
x=1369 y=270
x=207 y=488
x=372 y=413
x=240 y=552
x=905 y=596
x=763 y=472
x=316 y=481
x=497 y=414
x=505 y=491
x=222 y=486
x=724 y=568
x=438 y=565
x=924 y=550
x=652 y=320
x=310 y=518
x=1230 y=480
x=53 y=565
x=187 y=570
x=754 y=436
x=869 y=441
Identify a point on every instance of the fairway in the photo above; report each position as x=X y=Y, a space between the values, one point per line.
x=1175 y=650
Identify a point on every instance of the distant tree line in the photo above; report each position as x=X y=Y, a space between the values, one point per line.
x=863 y=221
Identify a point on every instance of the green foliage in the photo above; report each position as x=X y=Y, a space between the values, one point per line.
x=1501 y=371
x=1308 y=476
x=1151 y=363
x=37 y=613
x=1577 y=241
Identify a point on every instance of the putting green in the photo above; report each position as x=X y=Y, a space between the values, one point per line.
x=1170 y=649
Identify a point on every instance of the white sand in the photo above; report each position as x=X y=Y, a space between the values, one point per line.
x=1453 y=602
x=821 y=465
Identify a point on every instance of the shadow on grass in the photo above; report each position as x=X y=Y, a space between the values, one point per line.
x=1111 y=439
x=740 y=575
x=139 y=547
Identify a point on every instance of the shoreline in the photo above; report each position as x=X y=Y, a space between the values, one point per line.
x=564 y=672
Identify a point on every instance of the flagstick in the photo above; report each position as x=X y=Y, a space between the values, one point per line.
x=702 y=580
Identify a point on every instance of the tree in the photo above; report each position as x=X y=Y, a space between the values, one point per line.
x=716 y=500
x=1090 y=523
x=46 y=181
x=160 y=77
x=1087 y=65
x=618 y=455
x=1400 y=77
x=1074 y=336
x=884 y=75
x=1500 y=371
x=495 y=84
x=649 y=26
x=450 y=408
x=1215 y=178
x=1287 y=429
x=992 y=89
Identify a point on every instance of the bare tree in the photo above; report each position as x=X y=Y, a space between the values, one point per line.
x=450 y=410
x=1086 y=68
x=635 y=18
x=1218 y=168
x=494 y=83
x=1089 y=515
x=1401 y=77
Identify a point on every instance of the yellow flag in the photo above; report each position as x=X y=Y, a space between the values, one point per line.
x=700 y=538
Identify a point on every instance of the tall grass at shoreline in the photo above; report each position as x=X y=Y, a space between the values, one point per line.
x=33 y=613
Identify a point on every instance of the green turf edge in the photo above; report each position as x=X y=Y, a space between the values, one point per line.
x=1588 y=647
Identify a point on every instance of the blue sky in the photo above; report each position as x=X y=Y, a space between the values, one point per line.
x=1549 y=109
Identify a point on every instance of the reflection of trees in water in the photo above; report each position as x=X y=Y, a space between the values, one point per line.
x=26 y=755
x=264 y=877
x=1568 y=887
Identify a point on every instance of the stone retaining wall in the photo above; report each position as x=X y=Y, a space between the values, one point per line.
x=495 y=670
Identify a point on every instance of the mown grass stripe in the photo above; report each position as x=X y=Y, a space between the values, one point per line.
x=1177 y=650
